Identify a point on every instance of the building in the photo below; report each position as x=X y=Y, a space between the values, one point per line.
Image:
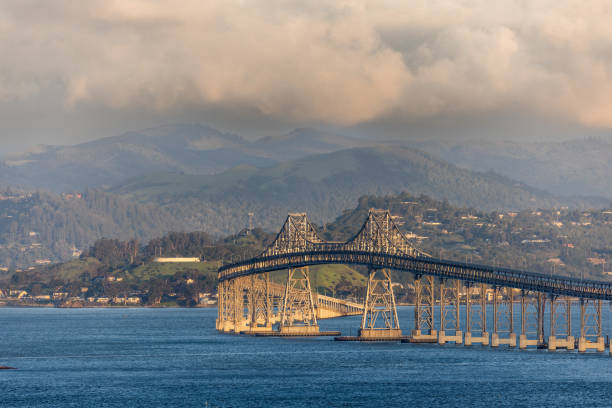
x=18 y=293
x=59 y=295
x=42 y=297
x=175 y=260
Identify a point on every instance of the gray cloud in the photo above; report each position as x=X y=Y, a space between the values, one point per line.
x=334 y=62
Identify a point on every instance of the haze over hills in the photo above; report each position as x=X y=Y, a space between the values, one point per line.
x=326 y=184
x=188 y=148
x=574 y=167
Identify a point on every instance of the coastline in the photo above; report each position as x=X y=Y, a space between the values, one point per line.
x=87 y=306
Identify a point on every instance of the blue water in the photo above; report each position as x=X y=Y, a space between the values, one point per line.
x=174 y=357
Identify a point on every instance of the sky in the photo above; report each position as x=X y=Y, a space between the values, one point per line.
x=73 y=71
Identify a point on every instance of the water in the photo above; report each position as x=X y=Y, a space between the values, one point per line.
x=174 y=357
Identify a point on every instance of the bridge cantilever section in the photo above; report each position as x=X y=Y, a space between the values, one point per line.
x=470 y=272
x=245 y=287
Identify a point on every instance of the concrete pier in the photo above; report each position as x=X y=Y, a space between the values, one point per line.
x=378 y=333
x=299 y=329
x=598 y=345
x=567 y=343
x=457 y=337
x=510 y=341
x=483 y=339
x=417 y=336
x=259 y=329
x=524 y=342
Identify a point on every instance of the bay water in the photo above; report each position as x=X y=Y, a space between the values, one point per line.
x=142 y=357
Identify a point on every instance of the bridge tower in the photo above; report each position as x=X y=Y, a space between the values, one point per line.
x=450 y=305
x=476 y=315
x=590 y=326
x=380 y=313
x=424 y=319
x=298 y=313
x=503 y=317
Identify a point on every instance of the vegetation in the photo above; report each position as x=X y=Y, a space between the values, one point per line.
x=45 y=226
x=566 y=242
x=325 y=185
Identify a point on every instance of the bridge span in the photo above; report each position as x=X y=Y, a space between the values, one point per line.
x=246 y=305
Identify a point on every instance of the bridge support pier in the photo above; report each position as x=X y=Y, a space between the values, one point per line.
x=298 y=314
x=532 y=319
x=241 y=321
x=560 y=323
x=590 y=326
x=424 y=330
x=379 y=307
x=223 y=306
x=503 y=317
x=231 y=306
x=259 y=304
x=449 y=312
x=476 y=316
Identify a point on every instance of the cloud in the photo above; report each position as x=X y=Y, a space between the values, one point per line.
x=337 y=62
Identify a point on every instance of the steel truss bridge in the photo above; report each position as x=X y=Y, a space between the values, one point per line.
x=247 y=303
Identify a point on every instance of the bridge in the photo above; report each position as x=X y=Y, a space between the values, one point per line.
x=246 y=302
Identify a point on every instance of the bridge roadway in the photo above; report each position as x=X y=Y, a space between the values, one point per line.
x=331 y=253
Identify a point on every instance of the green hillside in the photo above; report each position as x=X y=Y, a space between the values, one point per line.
x=45 y=226
x=325 y=185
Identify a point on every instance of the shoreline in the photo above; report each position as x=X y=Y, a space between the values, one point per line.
x=52 y=306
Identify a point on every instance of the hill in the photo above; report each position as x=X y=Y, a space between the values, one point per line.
x=49 y=227
x=326 y=184
x=187 y=148
x=574 y=167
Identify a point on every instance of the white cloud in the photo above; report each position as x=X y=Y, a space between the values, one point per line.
x=340 y=62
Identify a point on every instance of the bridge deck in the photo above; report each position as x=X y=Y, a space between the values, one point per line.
x=331 y=254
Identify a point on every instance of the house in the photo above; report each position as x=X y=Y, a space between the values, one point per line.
x=102 y=300
x=42 y=297
x=133 y=300
x=18 y=293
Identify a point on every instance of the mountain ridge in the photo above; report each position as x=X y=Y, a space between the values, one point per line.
x=324 y=185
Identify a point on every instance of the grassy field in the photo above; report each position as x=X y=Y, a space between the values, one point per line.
x=324 y=278
x=155 y=270
x=71 y=270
